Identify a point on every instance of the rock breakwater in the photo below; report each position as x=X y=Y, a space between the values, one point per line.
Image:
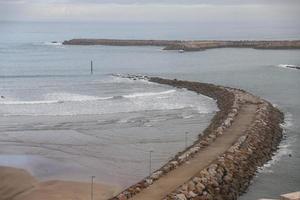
x=192 y=45
x=230 y=174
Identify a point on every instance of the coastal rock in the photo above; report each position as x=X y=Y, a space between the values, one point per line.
x=149 y=181
x=180 y=197
x=191 y=186
x=174 y=164
x=156 y=175
x=167 y=168
x=122 y=197
x=199 y=187
x=191 y=194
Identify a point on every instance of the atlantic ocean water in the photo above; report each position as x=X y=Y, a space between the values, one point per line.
x=60 y=122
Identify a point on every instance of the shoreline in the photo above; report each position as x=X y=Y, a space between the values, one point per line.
x=226 y=174
x=18 y=184
x=191 y=45
x=229 y=173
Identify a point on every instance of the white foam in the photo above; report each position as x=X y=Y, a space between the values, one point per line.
x=119 y=79
x=53 y=43
x=283 y=151
x=67 y=97
x=284 y=147
x=287 y=66
x=63 y=103
x=55 y=98
x=288 y=121
x=187 y=116
x=147 y=94
x=26 y=102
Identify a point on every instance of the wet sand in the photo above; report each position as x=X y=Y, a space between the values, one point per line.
x=29 y=188
x=18 y=184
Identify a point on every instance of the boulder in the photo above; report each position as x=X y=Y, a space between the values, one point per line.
x=180 y=197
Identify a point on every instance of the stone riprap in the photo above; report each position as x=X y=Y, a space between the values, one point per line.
x=229 y=175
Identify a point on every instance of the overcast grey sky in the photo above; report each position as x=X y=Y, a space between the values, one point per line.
x=235 y=11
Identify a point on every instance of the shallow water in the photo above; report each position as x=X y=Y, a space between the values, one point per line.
x=54 y=108
x=100 y=125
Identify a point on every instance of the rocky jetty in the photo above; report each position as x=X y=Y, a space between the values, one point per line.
x=193 y=45
x=230 y=174
x=118 y=42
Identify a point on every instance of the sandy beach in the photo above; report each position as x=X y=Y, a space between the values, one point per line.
x=18 y=184
x=239 y=111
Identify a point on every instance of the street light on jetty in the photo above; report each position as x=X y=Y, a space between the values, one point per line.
x=92 y=187
x=186 y=139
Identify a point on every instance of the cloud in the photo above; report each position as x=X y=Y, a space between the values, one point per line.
x=182 y=2
x=234 y=11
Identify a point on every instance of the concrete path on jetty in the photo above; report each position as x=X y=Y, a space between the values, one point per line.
x=175 y=178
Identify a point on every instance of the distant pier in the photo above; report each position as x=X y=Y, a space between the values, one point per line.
x=191 y=45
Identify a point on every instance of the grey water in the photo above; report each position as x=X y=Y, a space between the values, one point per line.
x=59 y=122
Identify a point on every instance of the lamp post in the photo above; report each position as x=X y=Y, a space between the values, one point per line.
x=186 y=139
x=92 y=187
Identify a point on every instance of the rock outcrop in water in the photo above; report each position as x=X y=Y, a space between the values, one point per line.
x=229 y=175
x=193 y=45
x=293 y=67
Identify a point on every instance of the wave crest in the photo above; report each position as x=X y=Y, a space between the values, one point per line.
x=54 y=43
x=58 y=98
x=288 y=66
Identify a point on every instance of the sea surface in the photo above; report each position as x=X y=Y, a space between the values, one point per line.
x=60 y=122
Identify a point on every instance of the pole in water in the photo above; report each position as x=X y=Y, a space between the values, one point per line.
x=92 y=70
x=186 y=139
x=92 y=188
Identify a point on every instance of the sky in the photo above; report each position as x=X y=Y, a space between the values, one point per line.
x=284 y=12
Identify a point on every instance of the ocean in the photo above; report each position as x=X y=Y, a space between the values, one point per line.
x=60 y=122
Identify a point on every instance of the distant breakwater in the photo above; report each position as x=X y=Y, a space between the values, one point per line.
x=228 y=176
x=192 y=45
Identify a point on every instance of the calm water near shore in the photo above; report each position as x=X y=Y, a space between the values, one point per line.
x=59 y=122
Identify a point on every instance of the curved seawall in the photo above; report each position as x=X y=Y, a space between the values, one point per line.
x=242 y=136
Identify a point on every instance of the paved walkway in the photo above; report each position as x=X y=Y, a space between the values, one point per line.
x=168 y=183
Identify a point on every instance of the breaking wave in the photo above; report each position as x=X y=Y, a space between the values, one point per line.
x=288 y=66
x=60 y=104
x=54 y=43
x=284 y=147
x=55 y=98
